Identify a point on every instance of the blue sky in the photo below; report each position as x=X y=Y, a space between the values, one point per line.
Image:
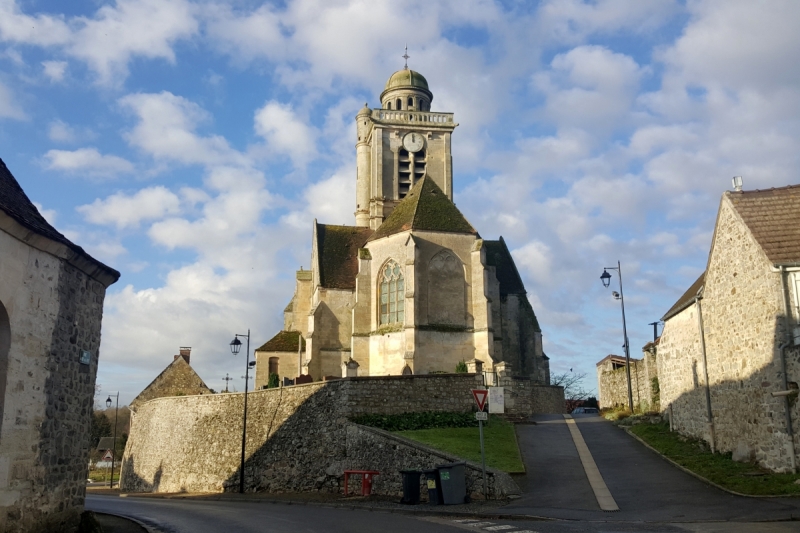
x=190 y=144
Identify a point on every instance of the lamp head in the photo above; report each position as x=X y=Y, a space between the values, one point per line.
x=108 y=402
x=236 y=345
x=605 y=277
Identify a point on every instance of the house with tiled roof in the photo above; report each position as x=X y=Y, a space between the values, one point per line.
x=412 y=287
x=177 y=379
x=728 y=366
x=51 y=309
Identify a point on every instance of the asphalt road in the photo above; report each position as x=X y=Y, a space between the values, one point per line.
x=645 y=487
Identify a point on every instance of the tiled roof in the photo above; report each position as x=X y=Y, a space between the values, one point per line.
x=425 y=207
x=687 y=298
x=16 y=204
x=498 y=256
x=773 y=217
x=337 y=248
x=613 y=358
x=105 y=443
x=284 y=341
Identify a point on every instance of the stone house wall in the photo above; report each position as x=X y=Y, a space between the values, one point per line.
x=54 y=311
x=743 y=320
x=297 y=438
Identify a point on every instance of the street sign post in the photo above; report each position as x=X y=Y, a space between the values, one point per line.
x=480 y=396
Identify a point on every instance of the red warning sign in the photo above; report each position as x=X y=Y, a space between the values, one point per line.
x=480 y=397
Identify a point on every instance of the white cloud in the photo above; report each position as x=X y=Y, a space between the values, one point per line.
x=125 y=211
x=87 y=161
x=285 y=133
x=589 y=87
x=55 y=70
x=166 y=130
x=42 y=30
x=9 y=108
x=128 y=29
x=60 y=131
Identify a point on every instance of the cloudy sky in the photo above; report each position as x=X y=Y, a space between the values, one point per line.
x=190 y=144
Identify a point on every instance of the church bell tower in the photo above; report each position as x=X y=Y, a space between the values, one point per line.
x=398 y=144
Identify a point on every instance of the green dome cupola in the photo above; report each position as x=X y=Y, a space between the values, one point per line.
x=407 y=90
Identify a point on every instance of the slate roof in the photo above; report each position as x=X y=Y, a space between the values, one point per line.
x=773 y=217
x=284 y=341
x=425 y=207
x=498 y=256
x=16 y=204
x=337 y=249
x=106 y=443
x=687 y=298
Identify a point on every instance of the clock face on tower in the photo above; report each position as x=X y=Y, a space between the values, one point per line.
x=413 y=142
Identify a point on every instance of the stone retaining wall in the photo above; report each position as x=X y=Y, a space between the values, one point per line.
x=548 y=399
x=296 y=436
x=613 y=384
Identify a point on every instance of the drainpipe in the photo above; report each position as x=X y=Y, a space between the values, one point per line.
x=782 y=350
x=709 y=414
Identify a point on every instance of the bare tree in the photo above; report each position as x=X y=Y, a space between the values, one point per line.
x=572 y=383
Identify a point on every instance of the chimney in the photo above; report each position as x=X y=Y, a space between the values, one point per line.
x=185 y=352
x=737 y=183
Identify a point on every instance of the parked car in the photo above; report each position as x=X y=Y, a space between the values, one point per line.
x=586 y=411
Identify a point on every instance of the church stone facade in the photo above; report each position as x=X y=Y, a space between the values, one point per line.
x=411 y=288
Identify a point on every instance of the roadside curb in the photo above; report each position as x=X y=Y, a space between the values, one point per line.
x=421 y=509
x=701 y=478
x=147 y=528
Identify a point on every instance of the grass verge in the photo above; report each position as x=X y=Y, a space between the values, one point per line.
x=500 y=443
x=694 y=455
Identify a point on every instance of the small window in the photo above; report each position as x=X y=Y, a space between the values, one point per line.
x=273 y=365
x=388 y=105
x=399 y=104
x=392 y=294
x=410 y=102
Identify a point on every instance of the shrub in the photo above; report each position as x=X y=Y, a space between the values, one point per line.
x=412 y=421
x=273 y=381
x=461 y=367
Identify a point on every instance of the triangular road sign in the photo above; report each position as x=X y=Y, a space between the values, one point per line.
x=108 y=456
x=480 y=397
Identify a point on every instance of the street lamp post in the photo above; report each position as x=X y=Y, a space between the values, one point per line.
x=605 y=277
x=114 y=446
x=236 y=345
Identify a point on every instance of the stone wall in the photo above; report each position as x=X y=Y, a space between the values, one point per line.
x=388 y=453
x=297 y=437
x=613 y=384
x=743 y=321
x=548 y=399
x=54 y=312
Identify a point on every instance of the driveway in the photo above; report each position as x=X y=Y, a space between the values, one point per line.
x=645 y=486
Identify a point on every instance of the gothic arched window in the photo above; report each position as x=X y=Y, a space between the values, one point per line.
x=392 y=294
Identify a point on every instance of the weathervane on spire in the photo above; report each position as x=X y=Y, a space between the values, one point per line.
x=406 y=56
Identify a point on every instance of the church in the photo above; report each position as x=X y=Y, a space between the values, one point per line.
x=412 y=287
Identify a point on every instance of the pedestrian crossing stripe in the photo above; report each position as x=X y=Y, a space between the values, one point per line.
x=499 y=528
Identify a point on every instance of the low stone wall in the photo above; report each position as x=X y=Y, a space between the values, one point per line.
x=374 y=449
x=297 y=437
x=613 y=384
x=548 y=399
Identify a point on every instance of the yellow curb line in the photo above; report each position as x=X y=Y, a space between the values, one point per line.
x=604 y=498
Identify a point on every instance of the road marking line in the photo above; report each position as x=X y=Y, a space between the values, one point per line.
x=499 y=528
x=601 y=492
x=479 y=524
x=466 y=520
